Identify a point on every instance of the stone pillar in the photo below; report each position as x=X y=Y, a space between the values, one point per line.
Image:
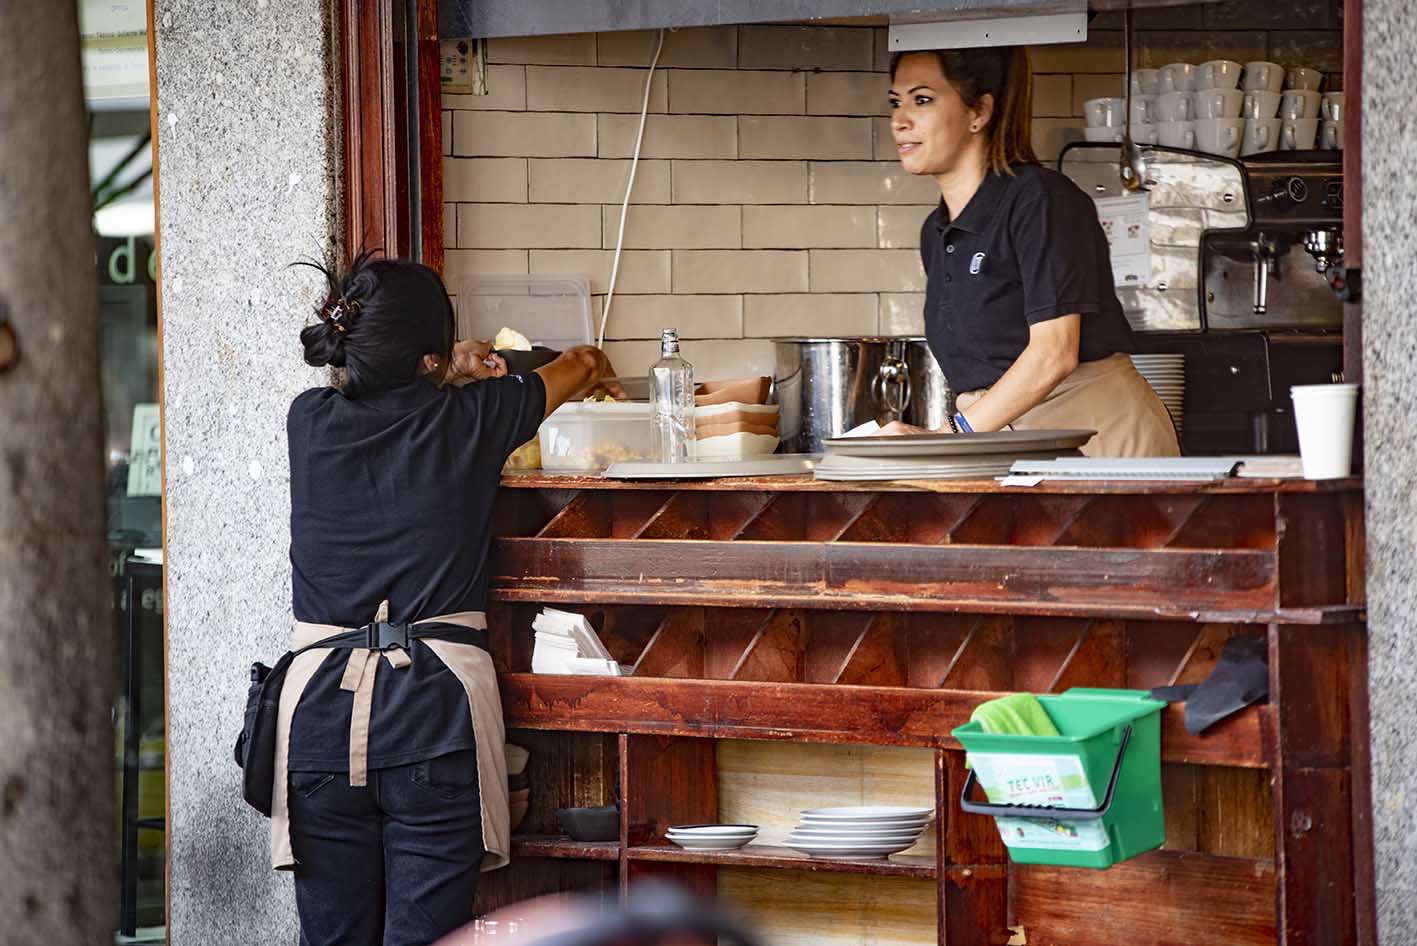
x=58 y=853
x=248 y=157
x=1390 y=429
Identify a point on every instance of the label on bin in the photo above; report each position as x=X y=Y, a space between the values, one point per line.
x=1056 y=780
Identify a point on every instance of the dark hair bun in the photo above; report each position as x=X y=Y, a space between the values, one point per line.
x=324 y=345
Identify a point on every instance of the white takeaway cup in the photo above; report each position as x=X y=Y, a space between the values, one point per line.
x=1324 y=414
x=1302 y=78
x=1104 y=133
x=1146 y=81
x=1218 y=103
x=1176 y=134
x=1176 y=77
x=1221 y=136
x=1144 y=109
x=1330 y=135
x=1297 y=103
x=1105 y=112
x=1298 y=134
x=1261 y=134
x=1218 y=74
x=1263 y=76
x=1261 y=104
x=1331 y=107
x=1175 y=107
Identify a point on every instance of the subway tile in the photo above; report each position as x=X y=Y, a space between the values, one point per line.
x=569 y=49
x=1052 y=96
x=869 y=182
x=597 y=181
x=1051 y=135
x=881 y=50
x=670 y=136
x=1190 y=17
x=740 y=271
x=1248 y=15
x=544 y=226
x=848 y=93
x=720 y=92
x=1101 y=53
x=883 y=140
x=1159 y=47
x=506 y=92
x=680 y=227
x=806 y=138
x=713 y=359
x=524 y=134
x=866 y=271
x=899 y=227
x=459 y=265
x=485 y=180
x=806 y=47
x=809 y=226
x=447 y=132
x=632 y=359
x=1094 y=87
x=700 y=47
x=592 y=89
x=450 y=225
x=640 y=270
x=816 y=314
x=716 y=316
x=1317 y=49
x=902 y=313
x=740 y=182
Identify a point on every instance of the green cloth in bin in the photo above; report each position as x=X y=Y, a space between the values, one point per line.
x=1018 y=714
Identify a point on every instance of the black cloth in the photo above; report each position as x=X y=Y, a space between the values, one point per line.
x=1240 y=677
x=1026 y=248
x=391 y=498
x=394 y=862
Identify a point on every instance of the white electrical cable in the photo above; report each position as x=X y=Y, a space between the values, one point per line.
x=629 y=186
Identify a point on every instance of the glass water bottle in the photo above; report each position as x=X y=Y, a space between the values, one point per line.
x=671 y=395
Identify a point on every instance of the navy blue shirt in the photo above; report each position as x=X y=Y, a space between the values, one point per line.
x=1027 y=248
x=391 y=498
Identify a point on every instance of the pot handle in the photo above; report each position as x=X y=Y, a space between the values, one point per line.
x=891 y=386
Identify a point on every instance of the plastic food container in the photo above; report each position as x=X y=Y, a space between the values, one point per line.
x=589 y=437
x=553 y=311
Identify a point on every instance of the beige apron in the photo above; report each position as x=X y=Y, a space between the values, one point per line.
x=1110 y=396
x=469 y=663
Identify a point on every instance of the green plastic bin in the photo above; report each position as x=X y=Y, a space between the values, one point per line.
x=1088 y=798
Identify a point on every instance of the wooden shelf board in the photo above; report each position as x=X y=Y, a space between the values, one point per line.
x=766 y=855
x=560 y=846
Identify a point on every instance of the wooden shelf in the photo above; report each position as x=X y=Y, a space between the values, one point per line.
x=560 y=846
x=766 y=855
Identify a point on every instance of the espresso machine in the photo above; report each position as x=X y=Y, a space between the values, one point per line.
x=1241 y=271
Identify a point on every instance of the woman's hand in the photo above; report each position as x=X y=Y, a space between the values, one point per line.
x=898 y=428
x=470 y=360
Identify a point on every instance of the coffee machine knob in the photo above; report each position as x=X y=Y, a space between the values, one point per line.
x=1297 y=189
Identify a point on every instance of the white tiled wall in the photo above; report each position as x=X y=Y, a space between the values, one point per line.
x=767 y=200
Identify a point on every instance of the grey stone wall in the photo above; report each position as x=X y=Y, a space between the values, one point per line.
x=1390 y=422
x=248 y=156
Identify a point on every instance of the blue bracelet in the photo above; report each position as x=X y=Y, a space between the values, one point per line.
x=962 y=423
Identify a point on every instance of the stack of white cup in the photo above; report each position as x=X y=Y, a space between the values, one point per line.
x=1105 y=119
x=1282 y=109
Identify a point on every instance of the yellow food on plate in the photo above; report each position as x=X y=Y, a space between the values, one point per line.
x=509 y=339
x=525 y=457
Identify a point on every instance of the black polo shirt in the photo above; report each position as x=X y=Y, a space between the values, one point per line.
x=1026 y=248
x=391 y=497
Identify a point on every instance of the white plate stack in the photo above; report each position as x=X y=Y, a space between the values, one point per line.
x=858 y=831
x=1167 y=376
x=712 y=837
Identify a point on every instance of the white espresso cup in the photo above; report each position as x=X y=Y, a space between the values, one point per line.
x=1331 y=107
x=1176 y=134
x=1175 y=107
x=1330 y=135
x=1220 y=135
x=1105 y=113
x=1217 y=74
x=1261 y=134
x=1261 y=104
x=1298 y=134
x=1263 y=76
x=1324 y=414
x=1302 y=78
x=1146 y=81
x=1103 y=133
x=1144 y=109
x=1218 y=103
x=1176 y=77
x=1145 y=133
x=1298 y=103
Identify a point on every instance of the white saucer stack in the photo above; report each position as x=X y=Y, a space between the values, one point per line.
x=1167 y=376
x=712 y=837
x=858 y=831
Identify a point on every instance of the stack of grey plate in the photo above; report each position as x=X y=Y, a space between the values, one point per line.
x=943 y=456
x=1166 y=373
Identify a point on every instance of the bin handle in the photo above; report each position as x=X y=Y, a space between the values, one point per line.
x=1004 y=810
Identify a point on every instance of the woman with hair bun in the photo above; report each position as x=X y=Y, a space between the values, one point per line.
x=390 y=792
x=1020 y=308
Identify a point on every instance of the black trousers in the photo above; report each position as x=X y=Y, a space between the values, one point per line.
x=391 y=863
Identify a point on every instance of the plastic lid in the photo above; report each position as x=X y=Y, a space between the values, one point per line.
x=550 y=310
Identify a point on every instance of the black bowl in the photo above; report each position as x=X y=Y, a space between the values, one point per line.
x=591 y=824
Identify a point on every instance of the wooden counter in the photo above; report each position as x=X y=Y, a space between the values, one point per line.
x=793 y=612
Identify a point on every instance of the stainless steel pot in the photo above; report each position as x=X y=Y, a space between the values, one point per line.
x=826 y=386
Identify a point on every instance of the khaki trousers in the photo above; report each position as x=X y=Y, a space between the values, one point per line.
x=1109 y=396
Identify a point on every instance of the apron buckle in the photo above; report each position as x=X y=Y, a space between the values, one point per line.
x=384 y=636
